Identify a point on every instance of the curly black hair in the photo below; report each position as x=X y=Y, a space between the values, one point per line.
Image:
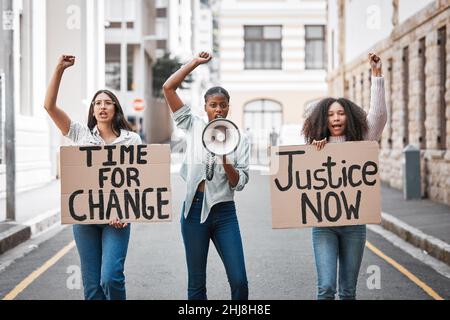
x=316 y=123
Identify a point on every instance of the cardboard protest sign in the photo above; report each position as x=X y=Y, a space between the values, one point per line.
x=131 y=182
x=336 y=186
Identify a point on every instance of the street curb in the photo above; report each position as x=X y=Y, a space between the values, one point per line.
x=43 y=221
x=19 y=233
x=15 y=235
x=433 y=246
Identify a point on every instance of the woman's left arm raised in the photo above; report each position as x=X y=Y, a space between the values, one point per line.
x=377 y=116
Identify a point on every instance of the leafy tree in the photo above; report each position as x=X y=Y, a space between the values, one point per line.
x=163 y=68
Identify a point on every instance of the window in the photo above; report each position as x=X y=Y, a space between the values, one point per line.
x=130 y=67
x=112 y=66
x=405 y=61
x=161 y=12
x=161 y=44
x=354 y=88
x=346 y=87
x=315 y=47
x=390 y=95
x=422 y=92
x=118 y=25
x=361 y=91
x=261 y=118
x=113 y=25
x=262 y=47
x=442 y=35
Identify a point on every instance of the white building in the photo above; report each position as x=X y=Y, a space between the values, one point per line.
x=138 y=32
x=272 y=62
x=162 y=27
x=184 y=28
x=43 y=31
x=190 y=31
x=130 y=52
x=202 y=40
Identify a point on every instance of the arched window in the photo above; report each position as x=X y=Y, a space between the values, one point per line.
x=262 y=122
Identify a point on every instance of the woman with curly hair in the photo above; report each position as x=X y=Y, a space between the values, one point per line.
x=338 y=120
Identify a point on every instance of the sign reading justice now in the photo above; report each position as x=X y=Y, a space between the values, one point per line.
x=336 y=186
x=131 y=182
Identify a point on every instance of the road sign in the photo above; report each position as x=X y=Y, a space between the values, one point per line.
x=138 y=104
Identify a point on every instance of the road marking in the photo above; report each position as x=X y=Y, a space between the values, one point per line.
x=49 y=263
x=417 y=253
x=35 y=274
x=404 y=271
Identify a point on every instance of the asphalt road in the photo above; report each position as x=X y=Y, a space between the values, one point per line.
x=280 y=263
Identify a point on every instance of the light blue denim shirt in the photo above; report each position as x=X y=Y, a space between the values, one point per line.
x=193 y=168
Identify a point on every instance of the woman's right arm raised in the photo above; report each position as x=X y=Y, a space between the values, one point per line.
x=59 y=117
x=175 y=80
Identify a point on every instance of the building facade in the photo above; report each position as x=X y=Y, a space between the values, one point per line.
x=273 y=62
x=190 y=32
x=138 y=32
x=130 y=51
x=43 y=31
x=413 y=39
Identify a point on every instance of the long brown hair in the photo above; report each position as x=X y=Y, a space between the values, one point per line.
x=119 y=122
x=316 y=124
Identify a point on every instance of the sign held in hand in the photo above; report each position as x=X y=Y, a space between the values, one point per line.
x=130 y=182
x=336 y=186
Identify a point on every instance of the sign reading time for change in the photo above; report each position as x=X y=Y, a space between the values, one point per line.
x=336 y=186
x=99 y=183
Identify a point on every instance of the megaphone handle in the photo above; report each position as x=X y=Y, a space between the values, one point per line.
x=210 y=164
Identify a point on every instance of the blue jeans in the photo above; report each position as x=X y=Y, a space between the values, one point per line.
x=332 y=244
x=223 y=229
x=102 y=249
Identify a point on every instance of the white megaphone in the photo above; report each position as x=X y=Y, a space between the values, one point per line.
x=221 y=137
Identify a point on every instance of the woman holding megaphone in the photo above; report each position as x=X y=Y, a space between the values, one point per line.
x=333 y=121
x=209 y=212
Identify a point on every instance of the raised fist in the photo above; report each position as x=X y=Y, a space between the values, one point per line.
x=66 y=61
x=203 y=57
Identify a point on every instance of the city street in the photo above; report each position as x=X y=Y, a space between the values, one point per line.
x=280 y=263
x=87 y=85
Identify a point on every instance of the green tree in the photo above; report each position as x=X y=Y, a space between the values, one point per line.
x=163 y=68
